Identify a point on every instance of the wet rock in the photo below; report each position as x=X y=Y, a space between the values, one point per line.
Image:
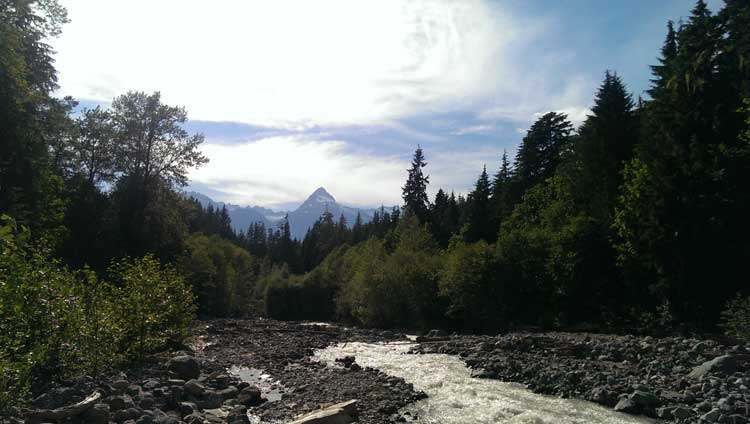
x=185 y=367
x=250 y=396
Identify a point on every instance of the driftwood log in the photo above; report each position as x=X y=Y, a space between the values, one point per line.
x=47 y=415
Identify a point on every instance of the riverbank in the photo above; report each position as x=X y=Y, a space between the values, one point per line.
x=675 y=379
x=267 y=368
x=230 y=368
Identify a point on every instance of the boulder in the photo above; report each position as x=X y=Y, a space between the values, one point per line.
x=726 y=364
x=185 y=367
x=98 y=414
x=250 y=396
x=627 y=406
x=195 y=388
x=711 y=416
x=121 y=402
x=644 y=398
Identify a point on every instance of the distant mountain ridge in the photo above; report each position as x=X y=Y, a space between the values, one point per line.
x=300 y=219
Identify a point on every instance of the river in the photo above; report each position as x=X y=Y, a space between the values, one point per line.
x=455 y=397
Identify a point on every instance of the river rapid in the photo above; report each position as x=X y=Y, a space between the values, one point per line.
x=455 y=397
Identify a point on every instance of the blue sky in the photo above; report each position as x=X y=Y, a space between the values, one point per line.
x=292 y=95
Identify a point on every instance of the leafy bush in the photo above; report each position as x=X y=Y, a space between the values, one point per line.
x=393 y=287
x=155 y=305
x=222 y=275
x=470 y=286
x=736 y=318
x=57 y=323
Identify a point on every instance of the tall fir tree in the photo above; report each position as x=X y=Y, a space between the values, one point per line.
x=415 y=190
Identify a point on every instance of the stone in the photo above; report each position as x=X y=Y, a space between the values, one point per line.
x=250 y=396
x=711 y=416
x=98 y=414
x=121 y=402
x=644 y=398
x=185 y=367
x=603 y=396
x=228 y=393
x=340 y=413
x=628 y=406
x=120 y=384
x=238 y=415
x=187 y=408
x=726 y=364
x=682 y=412
x=221 y=381
x=195 y=388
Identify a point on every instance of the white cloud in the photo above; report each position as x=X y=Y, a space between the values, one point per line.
x=474 y=129
x=279 y=171
x=291 y=63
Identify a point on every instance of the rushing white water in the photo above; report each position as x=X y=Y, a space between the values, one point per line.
x=455 y=397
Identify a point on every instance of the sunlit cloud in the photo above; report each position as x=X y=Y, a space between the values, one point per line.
x=279 y=171
x=292 y=63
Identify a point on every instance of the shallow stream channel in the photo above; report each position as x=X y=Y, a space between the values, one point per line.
x=455 y=397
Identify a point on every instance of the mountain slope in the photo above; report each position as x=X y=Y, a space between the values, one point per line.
x=300 y=220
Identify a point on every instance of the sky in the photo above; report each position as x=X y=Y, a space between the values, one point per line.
x=294 y=95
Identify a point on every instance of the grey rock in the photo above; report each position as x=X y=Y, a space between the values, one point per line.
x=185 y=367
x=195 y=388
x=628 y=406
x=644 y=398
x=726 y=364
x=120 y=384
x=228 y=393
x=98 y=414
x=712 y=416
x=250 y=396
x=187 y=408
x=681 y=412
x=117 y=403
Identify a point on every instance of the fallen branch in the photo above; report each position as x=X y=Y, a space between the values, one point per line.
x=46 y=415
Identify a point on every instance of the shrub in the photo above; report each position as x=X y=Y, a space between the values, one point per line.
x=736 y=318
x=155 y=308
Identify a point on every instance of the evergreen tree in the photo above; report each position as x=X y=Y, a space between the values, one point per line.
x=501 y=196
x=605 y=142
x=541 y=150
x=480 y=211
x=415 y=189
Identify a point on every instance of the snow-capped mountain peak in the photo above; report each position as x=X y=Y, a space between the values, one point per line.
x=319 y=197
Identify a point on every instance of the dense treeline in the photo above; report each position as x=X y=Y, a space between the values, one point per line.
x=635 y=220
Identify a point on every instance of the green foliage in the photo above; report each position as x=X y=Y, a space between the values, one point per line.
x=735 y=318
x=155 y=305
x=470 y=285
x=58 y=323
x=414 y=191
x=222 y=275
x=393 y=287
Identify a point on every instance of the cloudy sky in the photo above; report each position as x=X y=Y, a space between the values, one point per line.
x=293 y=95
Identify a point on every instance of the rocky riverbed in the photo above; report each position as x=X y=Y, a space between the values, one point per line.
x=231 y=368
x=679 y=380
x=242 y=371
